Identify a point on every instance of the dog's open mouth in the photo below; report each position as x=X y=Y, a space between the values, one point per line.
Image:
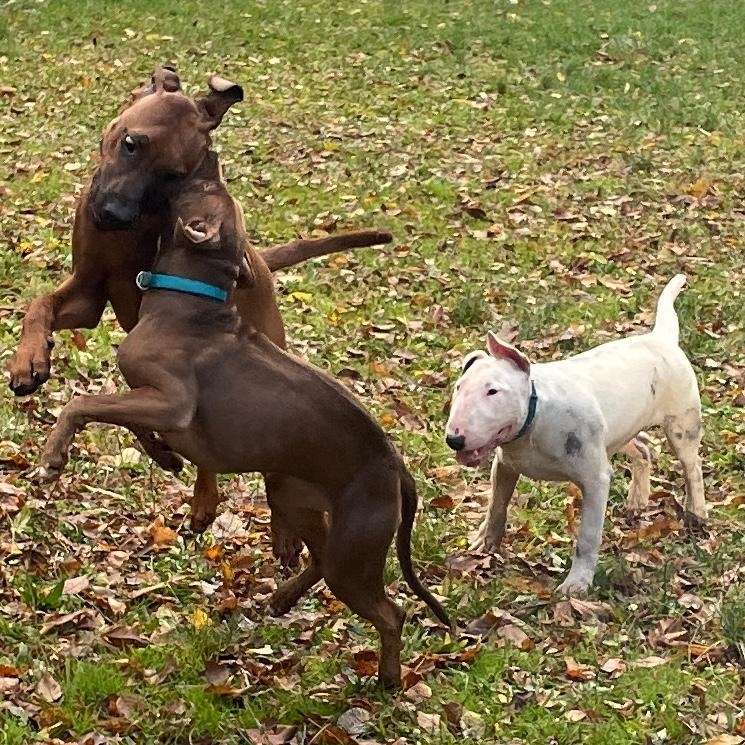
x=474 y=457
x=477 y=456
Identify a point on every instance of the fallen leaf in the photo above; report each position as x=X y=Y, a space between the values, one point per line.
x=161 y=534
x=575 y=715
x=614 y=666
x=516 y=636
x=472 y=725
x=578 y=672
x=354 y=720
x=650 y=662
x=418 y=692
x=76 y=585
x=49 y=689
x=430 y=723
x=126 y=636
x=216 y=674
x=200 y=620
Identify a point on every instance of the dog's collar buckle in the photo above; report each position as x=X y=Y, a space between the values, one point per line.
x=532 y=406
x=143 y=280
x=153 y=281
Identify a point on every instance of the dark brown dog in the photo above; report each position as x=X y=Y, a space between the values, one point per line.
x=147 y=154
x=220 y=393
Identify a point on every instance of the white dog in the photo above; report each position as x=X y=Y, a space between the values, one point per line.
x=562 y=420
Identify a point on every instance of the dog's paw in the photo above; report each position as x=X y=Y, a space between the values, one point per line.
x=286 y=547
x=485 y=543
x=573 y=586
x=170 y=461
x=201 y=521
x=47 y=473
x=694 y=523
x=29 y=369
x=282 y=601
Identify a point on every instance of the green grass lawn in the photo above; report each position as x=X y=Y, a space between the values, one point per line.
x=545 y=167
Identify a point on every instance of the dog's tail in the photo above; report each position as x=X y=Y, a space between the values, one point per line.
x=403 y=549
x=666 y=322
x=302 y=249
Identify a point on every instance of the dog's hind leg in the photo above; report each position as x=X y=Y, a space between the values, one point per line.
x=292 y=513
x=641 y=468
x=362 y=527
x=684 y=432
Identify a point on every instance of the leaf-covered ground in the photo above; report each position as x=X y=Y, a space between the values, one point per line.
x=545 y=167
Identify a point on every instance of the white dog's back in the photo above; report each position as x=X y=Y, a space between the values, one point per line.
x=635 y=379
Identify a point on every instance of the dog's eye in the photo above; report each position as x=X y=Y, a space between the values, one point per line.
x=492 y=391
x=129 y=144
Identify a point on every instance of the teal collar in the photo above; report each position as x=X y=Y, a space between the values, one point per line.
x=532 y=405
x=153 y=281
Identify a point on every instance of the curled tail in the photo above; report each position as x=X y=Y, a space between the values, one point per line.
x=295 y=252
x=403 y=549
x=666 y=322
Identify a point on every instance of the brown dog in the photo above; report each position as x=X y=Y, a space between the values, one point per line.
x=224 y=396
x=147 y=154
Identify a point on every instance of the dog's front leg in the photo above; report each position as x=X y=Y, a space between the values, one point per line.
x=76 y=303
x=491 y=532
x=594 y=501
x=144 y=408
x=205 y=500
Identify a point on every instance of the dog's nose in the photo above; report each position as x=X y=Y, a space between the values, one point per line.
x=456 y=442
x=116 y=213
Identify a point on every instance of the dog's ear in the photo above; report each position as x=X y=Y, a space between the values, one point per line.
x=223 y=94
x=504 y=351
x=470 y=358
x=198 y=232
x=246 y=276
x=164 y=78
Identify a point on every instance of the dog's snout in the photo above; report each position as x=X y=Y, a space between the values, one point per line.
x=116 y=213
x=456 y=442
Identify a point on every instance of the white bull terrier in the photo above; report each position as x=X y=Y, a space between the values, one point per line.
x=562 y=420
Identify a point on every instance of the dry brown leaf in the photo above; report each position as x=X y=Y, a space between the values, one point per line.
x=651 y=661
x=578 y=672
x=49 y=689
x=76 y=585
x=575 y=715
x=430 y=723
x=515 y=636
x=614 y=666
x=160 y=534
x=216 y=674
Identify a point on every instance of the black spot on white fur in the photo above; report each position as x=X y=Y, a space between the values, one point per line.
x=573 y=445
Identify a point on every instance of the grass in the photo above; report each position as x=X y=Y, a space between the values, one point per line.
x=544 y=166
